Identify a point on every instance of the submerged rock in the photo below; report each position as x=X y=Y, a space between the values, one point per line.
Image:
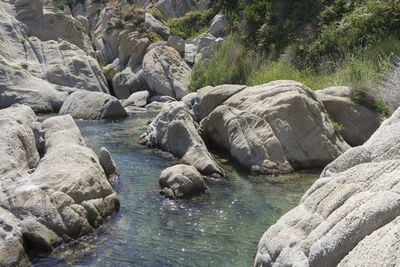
x=93 y=106
x=272 y=128
x=350 y=216
x=64 y=195
x=174 y=130
x=181 y=181
x=358 y=122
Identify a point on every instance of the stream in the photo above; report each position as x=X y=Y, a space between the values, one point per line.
x=219 y=228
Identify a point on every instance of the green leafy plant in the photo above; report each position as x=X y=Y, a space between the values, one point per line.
x=25 y=39
x=337 y=128
x=15 y=67
x=24 y=65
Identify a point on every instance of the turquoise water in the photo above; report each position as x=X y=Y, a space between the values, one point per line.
x=219 y=228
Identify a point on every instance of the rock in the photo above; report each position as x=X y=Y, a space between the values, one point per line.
x=174 y=130
x=211 y=97
x=350 y=215
x=183 y=180
x=108 y=164
x=112 y=69
x=274 y=128
x=217 y=25
x=156 y=25
x=178 y=8
x=165 y=72
x=178 y=43
x=128 y=82
x=138 y=99
x=190 y=99
x=357 y=121
x=132 y=48
x=64 y=195
x=161 y=98
x=190 y=53
x=93 y=106
x=29 y=9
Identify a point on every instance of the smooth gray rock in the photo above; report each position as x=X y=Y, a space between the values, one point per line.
x=273 y=128
x=190 y=53
x=156 y=25
x=165 y=72
x=217 y=25
x=178 y=43
x=43 y=202
x=174 y=130
x=108 y=164
x=183 y=180
x=93 y=106
x=138 y=99
x=161 y=98
x=357 y=121
x=178 y=8
x=350 y=216
x=190 y=99
x=128 y=82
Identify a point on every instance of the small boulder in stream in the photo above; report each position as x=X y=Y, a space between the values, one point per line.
x=93 y=106
x=108 y=164
x=181 y=181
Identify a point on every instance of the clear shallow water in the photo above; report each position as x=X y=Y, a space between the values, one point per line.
x=219 y=228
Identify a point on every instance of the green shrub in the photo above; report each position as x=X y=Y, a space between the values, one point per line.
x=153 y=37
x=192 y=24
x=25 y=39
x=337 y=128
x=24 y=65
x=107 y=70
x=156 y=13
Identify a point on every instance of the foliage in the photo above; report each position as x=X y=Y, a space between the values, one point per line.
x=337 y=128
x=153 y=37
x=107 y=70
x=156 y=13
x=115 y=24
x=15 y=68
x=192 y=24
x=388 y=91
x=24 y=65
x=25 y=39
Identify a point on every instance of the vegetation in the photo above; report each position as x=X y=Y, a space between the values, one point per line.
x=15 y=68
x=107 y=70
x=192 y=24
x=24 y=65
x=25 y=39
x=153 y=37
x=337 y=128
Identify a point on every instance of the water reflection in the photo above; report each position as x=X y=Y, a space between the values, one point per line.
x=220 y=227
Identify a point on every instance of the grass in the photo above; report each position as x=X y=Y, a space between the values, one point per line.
x=25 y=39
x=15 y=68
x=107 y=70
x=24 y=65
x=153 y=37
x=337 y=128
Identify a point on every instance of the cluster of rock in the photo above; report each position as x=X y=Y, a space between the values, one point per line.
x=52 y=186
x=350 y=216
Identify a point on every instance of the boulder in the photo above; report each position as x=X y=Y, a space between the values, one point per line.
x=138 y=99
x=128 y=82
x=190 y=53
x=156 y=25
x=274 y=128
x=178 y=8
x=161 y=98
x=350 y=216
x=190 y=99
x=108 y=164
x=357 y=121
x=165 y=72
x=178 y=43
x=217 y=25
x=183 y=180
x=174 y=130
x=93 y=106
x=45 y=201
x=29 y=9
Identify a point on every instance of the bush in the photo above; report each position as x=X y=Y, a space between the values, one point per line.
x=337 y=128
x=389 y=89
x=24 y=65
x=192 y=24
x=15 y=68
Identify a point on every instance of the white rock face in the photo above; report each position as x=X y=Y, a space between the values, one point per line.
x=183 y=180
x=350 y=216
x=138 y=99
x=40 y=73
x=174 y=130
x=271 y=128
x=165 y=71
x=93 y=106
x=357 y=121
x=64 y=195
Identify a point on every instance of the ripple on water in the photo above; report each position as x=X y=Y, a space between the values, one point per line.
x=220 y=227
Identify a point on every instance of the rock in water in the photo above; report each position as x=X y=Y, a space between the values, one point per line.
x=357 y=121
x=350 y=216
x=93 y=106
x=108 y=164
x=138 y=99
x=64 y=195
x=166 y=72
x=174 y=130
x=183 y=180
x=273 y=128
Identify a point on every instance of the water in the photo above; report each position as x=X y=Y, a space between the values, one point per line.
x=220 y=228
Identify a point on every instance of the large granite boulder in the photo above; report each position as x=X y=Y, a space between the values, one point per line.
x=357 y=121
x=40 y=72
x=217 y=25
x=181 y=181
x=174 y=130
x=350 y=216
x=157 y=26
x=138 y=99
x=272 y=128
x=93 y=106
x=128 y=81
x=165 y=71
x=44 y=201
